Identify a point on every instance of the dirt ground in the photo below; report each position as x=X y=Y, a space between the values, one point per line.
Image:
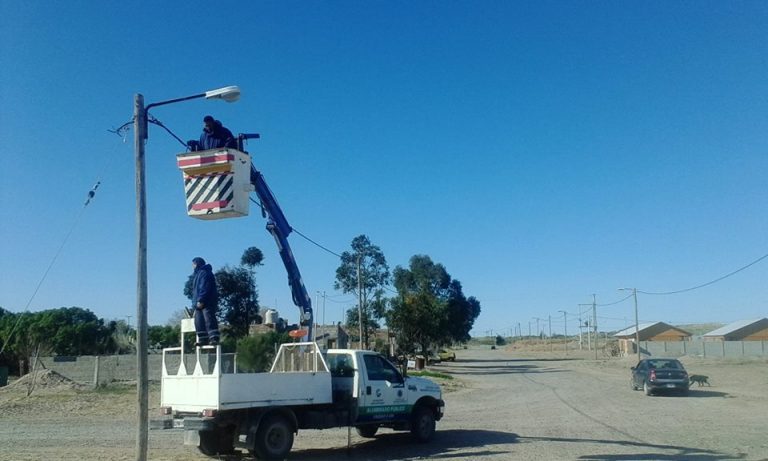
x=503 y=404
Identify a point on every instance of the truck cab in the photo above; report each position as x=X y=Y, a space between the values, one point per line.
x=382 y=396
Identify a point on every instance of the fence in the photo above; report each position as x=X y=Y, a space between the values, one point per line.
x=706 y=349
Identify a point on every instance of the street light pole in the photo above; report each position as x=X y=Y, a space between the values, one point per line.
x=637 y=321
x=142 y=384
x=229 y=94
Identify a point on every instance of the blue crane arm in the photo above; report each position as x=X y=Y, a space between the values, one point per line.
x=278 y=226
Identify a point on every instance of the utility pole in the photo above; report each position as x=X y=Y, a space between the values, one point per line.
x=565 y=331
x=360 y=302
x=594 y=320
x=549 y=318
x=323 y=307
x=142 y=361
x=529 y=329
x=587 y=325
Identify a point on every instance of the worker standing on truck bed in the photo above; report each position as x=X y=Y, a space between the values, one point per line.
x=205 y=299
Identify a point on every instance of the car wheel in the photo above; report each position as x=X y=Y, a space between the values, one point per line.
x=647 y=389
x=422 y=423
x=632 y=384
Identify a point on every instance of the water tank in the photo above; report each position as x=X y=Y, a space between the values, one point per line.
x=271 y=317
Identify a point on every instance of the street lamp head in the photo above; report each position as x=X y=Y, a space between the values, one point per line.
x=228 y=93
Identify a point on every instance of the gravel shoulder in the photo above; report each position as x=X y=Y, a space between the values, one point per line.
x=501 y=405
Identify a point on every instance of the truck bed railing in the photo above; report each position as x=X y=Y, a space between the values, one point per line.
x=298 y=358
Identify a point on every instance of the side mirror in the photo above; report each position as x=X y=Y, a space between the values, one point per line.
x=632 y=368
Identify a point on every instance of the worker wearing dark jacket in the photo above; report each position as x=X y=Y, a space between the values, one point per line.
x=215 y=135
x=205 y=299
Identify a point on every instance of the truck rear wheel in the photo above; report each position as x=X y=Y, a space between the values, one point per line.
x=423 y=423
x=274 y=438
x=216 y=442
x=368 y=431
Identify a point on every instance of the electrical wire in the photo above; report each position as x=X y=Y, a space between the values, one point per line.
x=152 y=119
x=616 y=302
x=708 y=283
x=91 y=194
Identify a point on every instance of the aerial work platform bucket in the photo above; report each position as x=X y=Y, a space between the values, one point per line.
x=216 y=182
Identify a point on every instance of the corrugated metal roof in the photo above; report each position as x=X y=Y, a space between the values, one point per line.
x=631 y=330
x=731 y=327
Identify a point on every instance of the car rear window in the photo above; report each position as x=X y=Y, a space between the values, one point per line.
x=669 y=364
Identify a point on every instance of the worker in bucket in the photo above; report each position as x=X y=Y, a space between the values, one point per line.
x=205 y=300
x=215 y=135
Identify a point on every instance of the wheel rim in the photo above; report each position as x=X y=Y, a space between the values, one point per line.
x=276 y=439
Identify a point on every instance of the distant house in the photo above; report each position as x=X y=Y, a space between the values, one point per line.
x=654 y=331
x=743 y=330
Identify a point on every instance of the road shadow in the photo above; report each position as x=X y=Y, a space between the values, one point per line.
x=698 y=393
x=677 y=452
x=447 y=444
x=501 y=369
x=458 y=360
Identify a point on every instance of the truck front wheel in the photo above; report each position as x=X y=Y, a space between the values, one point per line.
x=368 y=431
x=274 y=438
x=423 y=423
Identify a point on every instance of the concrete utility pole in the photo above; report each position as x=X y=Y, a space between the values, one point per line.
x=594 y=320
x=140 y=134
x=586 y=325
x=360 y=302
x=637 y=321
x=565 y=331
x=549 y=319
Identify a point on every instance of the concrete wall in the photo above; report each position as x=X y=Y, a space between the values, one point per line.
x=111 y=367
x=724 y=349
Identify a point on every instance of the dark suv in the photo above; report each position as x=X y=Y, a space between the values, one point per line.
x=657 y=375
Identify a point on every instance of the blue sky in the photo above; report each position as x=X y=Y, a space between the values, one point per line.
x=541 y=151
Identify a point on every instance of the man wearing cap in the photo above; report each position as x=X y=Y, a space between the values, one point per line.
x=215 y=135
x=205 y=300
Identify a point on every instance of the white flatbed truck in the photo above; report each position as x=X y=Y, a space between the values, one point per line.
x=221 y=409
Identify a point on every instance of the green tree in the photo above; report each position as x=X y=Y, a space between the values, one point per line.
x=161 y=336
x=255 y=353
x=431 y=308
x=367 y=260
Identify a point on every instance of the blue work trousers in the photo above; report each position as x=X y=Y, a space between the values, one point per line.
x=206 y=326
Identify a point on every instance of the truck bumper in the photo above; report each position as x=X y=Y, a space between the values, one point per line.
x=192 y=427
x=198 y=424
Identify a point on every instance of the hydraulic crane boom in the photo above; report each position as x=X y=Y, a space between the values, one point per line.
x=278 y=226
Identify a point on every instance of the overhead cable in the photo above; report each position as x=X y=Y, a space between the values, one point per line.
x=705 y=284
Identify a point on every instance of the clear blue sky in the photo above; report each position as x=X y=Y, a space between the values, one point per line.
x=541 y=151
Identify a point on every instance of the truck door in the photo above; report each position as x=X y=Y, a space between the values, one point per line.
x=384 y=397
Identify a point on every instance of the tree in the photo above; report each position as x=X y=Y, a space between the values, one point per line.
x=367 y=260
x=430 y=308
x=255 y=353
x=164 y=336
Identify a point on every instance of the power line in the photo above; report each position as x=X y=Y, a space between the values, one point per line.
x=616 y=302
x=91 y=194
x=708 y=283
